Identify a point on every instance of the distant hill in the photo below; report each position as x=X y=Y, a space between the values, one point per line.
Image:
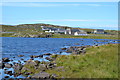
x=34 y=30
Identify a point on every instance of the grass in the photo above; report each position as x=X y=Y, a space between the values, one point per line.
x=21 y=31
x=91 y=36
x=98 y=62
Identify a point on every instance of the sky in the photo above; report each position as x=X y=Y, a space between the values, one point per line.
x=95 y=15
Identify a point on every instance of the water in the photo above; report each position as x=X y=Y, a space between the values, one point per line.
x=13 y=46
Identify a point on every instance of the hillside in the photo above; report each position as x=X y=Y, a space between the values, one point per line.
x=34 y=30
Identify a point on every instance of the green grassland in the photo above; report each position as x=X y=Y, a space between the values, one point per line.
x=98 y=62
x=91 y=36
x=22 y=31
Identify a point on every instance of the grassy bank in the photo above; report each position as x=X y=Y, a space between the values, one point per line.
x=60 y=36
x=91 y=36
x=98 y=62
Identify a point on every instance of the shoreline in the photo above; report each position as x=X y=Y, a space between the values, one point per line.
x=55 y=62
x=67 y=37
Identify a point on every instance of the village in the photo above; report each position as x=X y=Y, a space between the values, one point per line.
x=55 y=31
x=69 y=31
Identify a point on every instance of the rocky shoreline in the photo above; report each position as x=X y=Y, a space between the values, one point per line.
x=40 y=67
x=37 y=69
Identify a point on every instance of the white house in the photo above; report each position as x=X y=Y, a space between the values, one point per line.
x=68 y=31
x=63 y=31
x=53 y=30
x=99 y=31
x=80 y=32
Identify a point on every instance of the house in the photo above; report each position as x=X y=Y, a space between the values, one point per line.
x=59 y=30
x=53 y=30
x=99 y=31
x=75 y=32
x=63 y=31
x=44 y=28
x=80 y=33
x=68 y=31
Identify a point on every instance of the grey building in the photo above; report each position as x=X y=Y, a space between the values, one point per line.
x=99 y=31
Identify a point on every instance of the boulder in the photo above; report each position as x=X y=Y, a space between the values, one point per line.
x=27 y=73
x=83 y=48
x=71 y=49
x=7 y=65
x=51 y=65
x=47 y=54
x=48 y=58
x=83 y=51
x=79 y=51
x=75 y=52
x=33 y=56
x=41 y=75
x=54 y=56
x=24 y=69
x=41 y=56
x=5 y=59
x=22 y=59
x=8 y=72
x=42 y=67
x=2 y=65
x=31 y=63
x=54 y=76
x=6 y=76
x=20 y=55
x=17 y=67
x=63 y=48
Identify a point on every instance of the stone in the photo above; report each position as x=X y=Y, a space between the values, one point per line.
x=17 y=67
x=6 y=76
x=8 y=72
x=33 y=56
x=47 y=54
x=5 y=59
x=41 y=75
x=41 y=56
x=50 y=59
x=31 y=63
x=54 y=56
x=51 y=65
x=22 y=59
x=24 y=69
x=42 y=67
x=54 y=76
x=75 y=52
x=63 y=48
x=2 y=65
x=27 y=73
x=20 y=55
x=7 y=65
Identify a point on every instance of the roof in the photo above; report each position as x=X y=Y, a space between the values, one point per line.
x=81 y=32
x=100 y=30
x=75 y=30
